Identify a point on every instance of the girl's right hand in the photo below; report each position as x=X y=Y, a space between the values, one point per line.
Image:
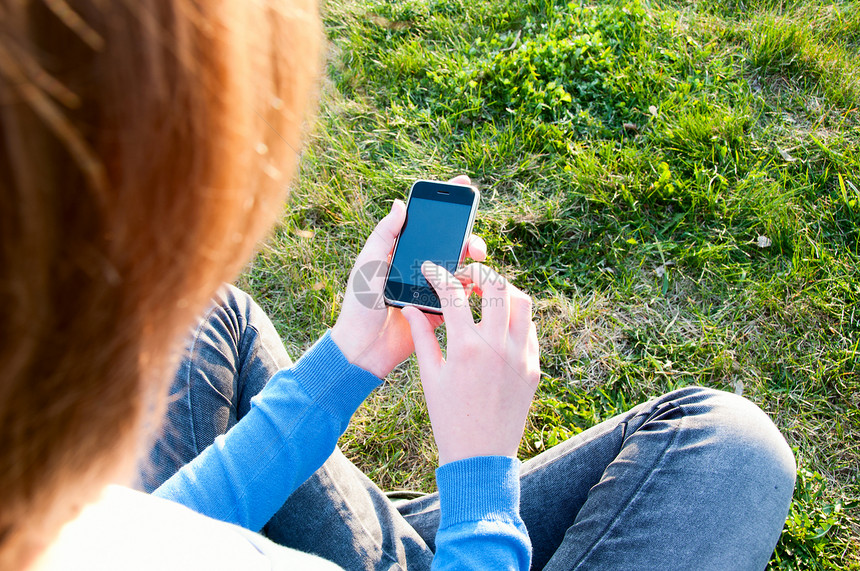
x=479 y=395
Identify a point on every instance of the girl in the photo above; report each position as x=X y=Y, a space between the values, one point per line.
x=145 y=148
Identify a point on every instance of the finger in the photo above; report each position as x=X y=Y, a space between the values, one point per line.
x=533 y=349
x=381 y=240
x=468 y=289
x=521 y=315
x=372 y=261
x=495 y=302
x=452 y=297
x=461 y=179
x=476 y=249
x=427 y=348
x=466 y=281
x=434 y=319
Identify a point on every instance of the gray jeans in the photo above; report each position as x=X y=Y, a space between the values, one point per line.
x=695 y=479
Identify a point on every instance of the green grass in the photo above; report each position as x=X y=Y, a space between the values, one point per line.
x=677 y=185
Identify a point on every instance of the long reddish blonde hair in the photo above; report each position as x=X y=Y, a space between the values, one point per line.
x=145 y=148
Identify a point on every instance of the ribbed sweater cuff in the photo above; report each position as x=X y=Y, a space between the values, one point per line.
x=479 y=489
x=335 y=384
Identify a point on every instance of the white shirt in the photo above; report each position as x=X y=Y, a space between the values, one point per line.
x=130 y=530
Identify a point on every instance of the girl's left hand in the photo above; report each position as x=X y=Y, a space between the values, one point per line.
x=370 y=334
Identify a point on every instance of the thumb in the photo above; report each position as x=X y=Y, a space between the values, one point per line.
x=427 y=348
x=381 y=241
x=368 y=273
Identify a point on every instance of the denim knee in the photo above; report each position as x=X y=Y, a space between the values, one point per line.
x=747 y=434
x=237 y=301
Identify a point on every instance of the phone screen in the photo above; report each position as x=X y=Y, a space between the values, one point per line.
x=438 y=219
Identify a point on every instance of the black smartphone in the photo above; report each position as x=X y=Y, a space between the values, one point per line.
x=439 y=218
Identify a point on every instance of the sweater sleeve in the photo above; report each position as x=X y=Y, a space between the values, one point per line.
x=480 y=525
x=293 y=425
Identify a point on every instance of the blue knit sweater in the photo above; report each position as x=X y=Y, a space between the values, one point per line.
x=293 y=426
